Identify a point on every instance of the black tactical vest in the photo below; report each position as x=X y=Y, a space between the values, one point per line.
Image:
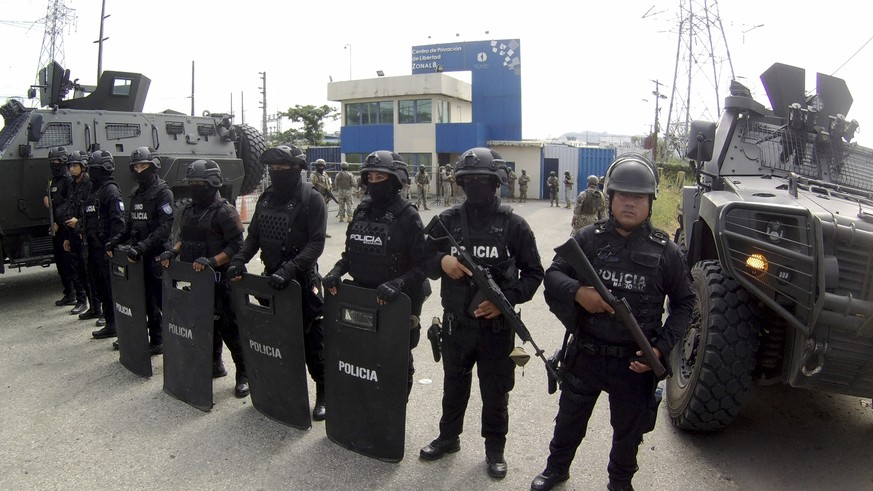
x=488 y=247
x=630 y=271
x=145 y=211
x=198 y=233
x=96 y=230
x=374 y=257
x=280 y=237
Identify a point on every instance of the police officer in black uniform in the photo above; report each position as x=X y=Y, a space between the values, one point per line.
x=59 y=188
x=73 y=217
x=473 y=332
x=641 y=264
x=394 y=267
x=104 y=218
x=289 y=228
x=148 y=227
x=210 y=234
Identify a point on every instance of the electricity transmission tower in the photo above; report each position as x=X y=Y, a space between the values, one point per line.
x=57 y=17
x=702 y=71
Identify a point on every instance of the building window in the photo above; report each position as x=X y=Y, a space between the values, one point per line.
x=415 y=111
x=443 y=112
x=370 y=113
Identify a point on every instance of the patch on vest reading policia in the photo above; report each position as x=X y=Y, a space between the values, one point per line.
x=167 y=208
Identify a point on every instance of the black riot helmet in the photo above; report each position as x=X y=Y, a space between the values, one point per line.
x=284 y=154
x=144 y=155
x=388 y=162
x=631 y=173
x=206 y=171
x=102 y=159
x=58 y=153
x=481 y=161
x=78 y=157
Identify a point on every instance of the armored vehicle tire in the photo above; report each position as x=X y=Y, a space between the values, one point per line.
x=249 y=147
x=680 y=241
x=713 y=363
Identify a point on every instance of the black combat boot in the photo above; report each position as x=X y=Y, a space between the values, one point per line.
x=439 y=447
x=156 y=349
x=547 y=479
x=68 y=299
x=218 y=369
x=242 y=384
x=495 y=464
x=93 y=313
x=105 y=332
x=79 y=308
x=619 y=486
x=319 y=412
x=101 y=321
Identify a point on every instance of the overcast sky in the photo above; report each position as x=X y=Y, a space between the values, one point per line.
x=585 y=65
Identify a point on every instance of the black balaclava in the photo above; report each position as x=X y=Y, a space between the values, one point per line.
x=99 y=174
x=479 y=194
x=203 y=195
x=382 y=192
x=285 y=182
x=147 y=177
x=58 y=170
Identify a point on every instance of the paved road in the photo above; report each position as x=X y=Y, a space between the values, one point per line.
x=72 y=418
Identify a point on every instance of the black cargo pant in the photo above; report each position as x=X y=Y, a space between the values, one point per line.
x=226 y=328
x=154 y=292
x=64 y=261
x=630 y=396
x=464 y=344
x=98 y=271
x=80 y=266
x=313 y=349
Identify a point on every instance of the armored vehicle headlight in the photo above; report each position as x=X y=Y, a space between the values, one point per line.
x=775 y=231
x=757 y=265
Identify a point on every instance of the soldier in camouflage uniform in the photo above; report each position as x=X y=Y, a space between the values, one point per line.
x=590 y=206
x=422 y=180
x=448 y=179
x=321 y=182
x=510 y=181
x=344 y=183
x=523 y=181
x=552 y=184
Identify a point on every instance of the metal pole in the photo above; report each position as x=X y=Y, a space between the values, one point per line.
x=100 y=40
x=192 y=87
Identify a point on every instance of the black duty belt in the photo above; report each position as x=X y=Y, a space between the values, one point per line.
x=607 y=349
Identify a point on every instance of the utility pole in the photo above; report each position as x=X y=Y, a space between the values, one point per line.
x=242 y=108
x=263 y=88
x=192 y=87
x=99 y=41
x=658 y=96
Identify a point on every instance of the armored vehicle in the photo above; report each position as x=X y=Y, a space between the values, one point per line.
x=110 y=118
x=778 y=231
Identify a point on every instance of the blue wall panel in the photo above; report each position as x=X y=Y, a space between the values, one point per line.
x=367 y=138
x=460 y=137
x=593 y=162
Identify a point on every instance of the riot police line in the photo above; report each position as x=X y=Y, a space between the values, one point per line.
x=354 y=327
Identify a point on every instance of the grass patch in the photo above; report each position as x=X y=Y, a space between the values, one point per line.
x=665 y=213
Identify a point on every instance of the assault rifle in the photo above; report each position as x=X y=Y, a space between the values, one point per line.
x=572 y=253
x=51 y=230
x=489 y=290
x=328 y=195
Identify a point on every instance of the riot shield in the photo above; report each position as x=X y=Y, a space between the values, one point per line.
x=188 y=308
x=366 y=348
x=128 y=300
x=271 y=334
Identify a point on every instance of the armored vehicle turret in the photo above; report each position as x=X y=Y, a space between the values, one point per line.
x=779 y=235
x=109 y=117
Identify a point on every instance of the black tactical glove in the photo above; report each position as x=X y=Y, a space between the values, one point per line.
x=206 y=262
x=110 y=245
x=283 y=275
x=330 y=281
x=236 y=270
x=389 y=290
x=135 y=252
x=167 y=255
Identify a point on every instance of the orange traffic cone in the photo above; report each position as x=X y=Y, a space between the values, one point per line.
x=244 y=210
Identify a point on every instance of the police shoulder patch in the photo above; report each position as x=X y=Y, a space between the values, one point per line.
x=167 y=208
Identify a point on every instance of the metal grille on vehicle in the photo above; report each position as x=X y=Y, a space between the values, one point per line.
x=56 y=134
x=120 y=131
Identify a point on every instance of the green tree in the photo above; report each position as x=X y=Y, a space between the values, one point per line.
x=312 y=118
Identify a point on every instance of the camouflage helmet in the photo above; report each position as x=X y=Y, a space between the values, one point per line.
x=388 y=162
x=593 y=180
x=58 y=153
x=552 y=173
x=481 y=161
x=320 y=163
x=206 y=171
x=284 y=154
x=102 y=159
x=344 y=166
x=144 y=155
x=631 y=173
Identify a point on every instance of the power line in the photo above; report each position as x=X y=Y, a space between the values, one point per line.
x=850 y=58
